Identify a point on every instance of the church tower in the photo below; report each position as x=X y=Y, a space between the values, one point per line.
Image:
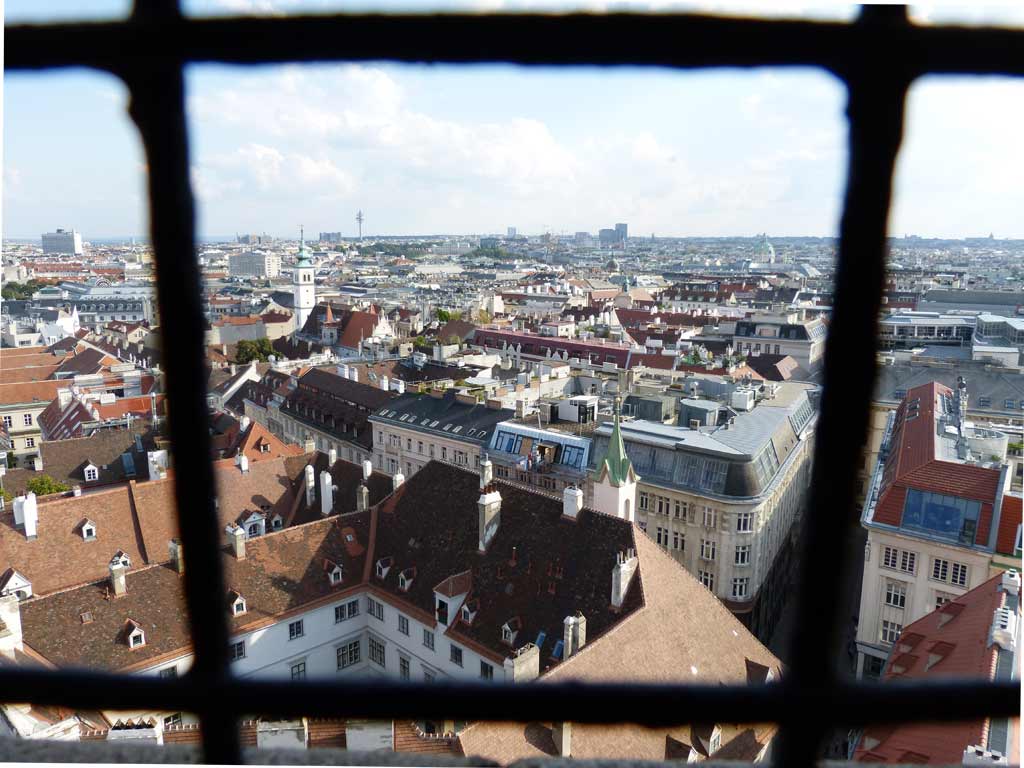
x=303 y=286
x=614 y=479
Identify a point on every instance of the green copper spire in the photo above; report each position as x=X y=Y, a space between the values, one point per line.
x=303 y=256
x=615 y=459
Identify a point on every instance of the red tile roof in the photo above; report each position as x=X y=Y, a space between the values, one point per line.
x=958 y=648
x=912 y=463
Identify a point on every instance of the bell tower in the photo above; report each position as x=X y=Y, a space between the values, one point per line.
x=303 y=285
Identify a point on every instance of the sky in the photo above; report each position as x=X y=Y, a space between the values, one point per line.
x=425 y=150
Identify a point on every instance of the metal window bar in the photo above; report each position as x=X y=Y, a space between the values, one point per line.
x=877 y=57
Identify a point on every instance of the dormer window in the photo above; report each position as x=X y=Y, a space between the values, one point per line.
x=264 y=448
x=334 y=572
x=716 y=740
x=92 y=474
x=236 y=603
x=405 y=579
x=509 y=630
x=89 y=530
x=469 y=611
x=136 y=637
x=383 y=566
x=277 y=523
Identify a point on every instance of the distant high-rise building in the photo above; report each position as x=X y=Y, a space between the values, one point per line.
x=331 y=237
x=623 y=232
x=582 y=238
x=511 y=233
x=254 y=264
x=608 y=237
x=251 y=239
x=63 y=241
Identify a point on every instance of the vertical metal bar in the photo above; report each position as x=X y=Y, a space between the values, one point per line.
x=158 y=108
x=877 y=88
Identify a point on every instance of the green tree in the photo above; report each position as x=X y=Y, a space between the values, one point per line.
x=443 y=315
x=44 y=485
x=248 y=351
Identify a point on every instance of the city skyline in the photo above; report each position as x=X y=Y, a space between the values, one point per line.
x=474 y=150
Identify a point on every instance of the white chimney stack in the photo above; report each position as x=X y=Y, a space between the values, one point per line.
x=246 y=421
x=326 y=493
x=353 y=373
x=332 y=457
x=29 y=514
x=384 y=383
x=396 y=480
x=400 y=386
x=367 y=469
x=489 y=507
x=575 y=635
x=243 y=463
x=562 y=735
x=362 y=498
x=622 y=574
x=310 y=485
x=117 y=578
x=174 y=549
x=486 y=472
x=572 y=502
x=237 y=538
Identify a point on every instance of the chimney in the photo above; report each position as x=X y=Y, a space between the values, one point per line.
x=10 y=617
x=400 y=386
x=326 y=493
x=174 y=549
x=520 y=409
x=224 y=349
x=237 y=537
x=27 y=513
x=384 y=383
x=575 y=635
x=486 y=472
x=246 y=421
x=332 y=457
x=523 y=665
x=562 y=735
x=353 y=373
x=367 y=469
x=310 y=485
x=243 y=463
x=489 y=506
x=572 y=502
x=117 y=579
x=362 y=498
x=309 y=446
x=396 y=480
x=622 y=574
x=64 y=398
x=76 y=490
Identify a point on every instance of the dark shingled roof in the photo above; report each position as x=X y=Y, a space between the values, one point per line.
x=435 y=512
x=475 y=423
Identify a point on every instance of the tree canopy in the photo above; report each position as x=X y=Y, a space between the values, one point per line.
x=44 y=485
x=259 y=349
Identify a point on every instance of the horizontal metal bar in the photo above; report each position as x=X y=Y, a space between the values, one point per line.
x=671 y=40
x=662 y=705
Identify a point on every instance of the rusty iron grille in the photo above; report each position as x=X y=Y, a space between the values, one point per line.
x=877 y=57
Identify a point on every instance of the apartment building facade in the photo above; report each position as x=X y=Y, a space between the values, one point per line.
x=724 y=497
x=939 y=516
x=415 y=429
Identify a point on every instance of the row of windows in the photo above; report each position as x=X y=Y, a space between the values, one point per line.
x=942 y=570
x=740 y=584
x=687 y=511
x=26 y=420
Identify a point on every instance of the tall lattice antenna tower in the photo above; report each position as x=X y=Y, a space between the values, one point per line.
x=359 y=221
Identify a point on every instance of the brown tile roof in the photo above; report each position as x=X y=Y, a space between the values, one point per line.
x=65 y=460
x=59 y=557
x=686 y=634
